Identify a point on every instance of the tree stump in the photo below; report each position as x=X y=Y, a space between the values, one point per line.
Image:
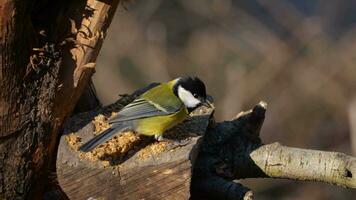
x=229 y=151
x=141 y=173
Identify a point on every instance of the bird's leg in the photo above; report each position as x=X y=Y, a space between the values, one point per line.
x=172 y=143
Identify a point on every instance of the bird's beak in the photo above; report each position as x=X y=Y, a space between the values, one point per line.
x=207 y=103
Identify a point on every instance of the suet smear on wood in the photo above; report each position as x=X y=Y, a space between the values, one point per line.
x=115 y=150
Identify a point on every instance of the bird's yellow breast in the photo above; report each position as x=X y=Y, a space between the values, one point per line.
x=159 y=124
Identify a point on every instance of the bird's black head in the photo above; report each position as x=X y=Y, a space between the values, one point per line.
x=191 y=91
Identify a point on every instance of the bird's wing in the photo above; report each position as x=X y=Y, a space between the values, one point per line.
x=148 y=105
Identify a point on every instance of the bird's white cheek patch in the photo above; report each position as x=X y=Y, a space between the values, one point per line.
x=188 y=99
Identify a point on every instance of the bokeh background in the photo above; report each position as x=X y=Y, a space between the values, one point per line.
x=298 y=56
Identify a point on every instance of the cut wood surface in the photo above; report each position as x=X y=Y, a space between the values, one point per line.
x=162 y=175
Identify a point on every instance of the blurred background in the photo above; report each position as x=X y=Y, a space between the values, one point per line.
x=298 y=56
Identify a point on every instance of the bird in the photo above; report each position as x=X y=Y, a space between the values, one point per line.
x=156 y=110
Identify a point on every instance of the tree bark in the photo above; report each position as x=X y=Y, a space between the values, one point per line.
x=48 y=53
x=278 y=161
x=232 y=150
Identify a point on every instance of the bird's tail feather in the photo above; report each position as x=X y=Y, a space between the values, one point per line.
x=101 y=138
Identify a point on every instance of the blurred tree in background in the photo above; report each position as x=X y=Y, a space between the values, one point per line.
x=299 y=56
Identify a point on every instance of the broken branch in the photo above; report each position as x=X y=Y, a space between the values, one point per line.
x=278 y=161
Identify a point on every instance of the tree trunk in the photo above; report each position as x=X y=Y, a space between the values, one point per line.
x=48 y=53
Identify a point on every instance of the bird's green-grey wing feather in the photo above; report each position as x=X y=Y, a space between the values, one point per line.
x=142 y=108
x=148 y=105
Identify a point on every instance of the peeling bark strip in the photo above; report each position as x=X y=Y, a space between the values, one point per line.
x=43 y=71
x=88 y=33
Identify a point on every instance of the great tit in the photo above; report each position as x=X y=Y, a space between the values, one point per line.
x=155 y=111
